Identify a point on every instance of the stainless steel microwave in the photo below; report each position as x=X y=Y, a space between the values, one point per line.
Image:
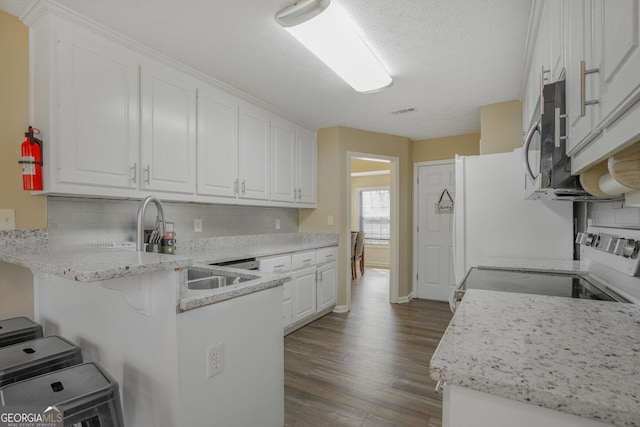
x=547 y=167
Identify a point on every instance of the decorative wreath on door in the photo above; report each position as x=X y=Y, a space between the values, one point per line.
x=445 y=205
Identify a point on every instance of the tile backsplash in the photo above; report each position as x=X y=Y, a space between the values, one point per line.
x=613 y=214
x=81 y=220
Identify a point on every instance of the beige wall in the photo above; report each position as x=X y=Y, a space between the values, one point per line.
x=16 y=283
x=501 y=127
x=364 y=165
x=333 y=145
x=427 y=150
x=375 y=255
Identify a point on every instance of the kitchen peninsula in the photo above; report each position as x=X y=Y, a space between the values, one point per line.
x=540 y=360
x=132 y=313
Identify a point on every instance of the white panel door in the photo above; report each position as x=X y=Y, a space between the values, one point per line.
x=617 y=23
x=307 y=164
x=435 y=237
x=97 y=111
x=168 y=130
x=327 y=286
x=303 y=283
x=254 y=153
x=217 y=143
x=283 y=161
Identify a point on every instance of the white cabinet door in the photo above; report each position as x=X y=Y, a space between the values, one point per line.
x=254 y=153
x=553 y=54
x=618 y=53
x=579 y=48
x=327 y=286
x=168 y=130
x=307 y=165
x=303 y=284
x=217 y=143
x=97 y=111
x=283 y=161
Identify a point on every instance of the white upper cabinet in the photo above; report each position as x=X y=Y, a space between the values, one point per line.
x=554 y=51
x=254 y=153
x=168 y=146
x=294 y=163
x=95 y=93
x=603 y=78
x=580 y=86
x=119 y=120
x=618 y=55
x=283 y=161
x=307 y=166
x=217 y=143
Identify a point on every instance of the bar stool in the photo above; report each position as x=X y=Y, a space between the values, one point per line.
x=36 y=357
x=18 y=329
x=84 y=393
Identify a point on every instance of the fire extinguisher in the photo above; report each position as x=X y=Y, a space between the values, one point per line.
x=31 y=161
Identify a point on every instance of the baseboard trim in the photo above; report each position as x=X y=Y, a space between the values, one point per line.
x=340 y=309
x=404 y=300
x=377 y=265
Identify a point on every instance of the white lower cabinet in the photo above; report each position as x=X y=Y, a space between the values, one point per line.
x=303 y=284
x=327 y=289
x=312 y=290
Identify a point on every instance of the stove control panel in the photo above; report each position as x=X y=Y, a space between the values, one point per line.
x=621 y=252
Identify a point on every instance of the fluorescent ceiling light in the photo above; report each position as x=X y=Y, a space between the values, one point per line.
x=326 y=30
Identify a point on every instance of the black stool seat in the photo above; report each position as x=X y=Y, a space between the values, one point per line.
x=84 y=393
x=18 y=329
x=36 y=357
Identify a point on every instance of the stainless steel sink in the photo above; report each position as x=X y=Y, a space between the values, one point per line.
x=199 y=280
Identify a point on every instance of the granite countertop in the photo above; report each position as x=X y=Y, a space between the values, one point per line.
x=535 y=264
x=571 y=355
x=84 y=263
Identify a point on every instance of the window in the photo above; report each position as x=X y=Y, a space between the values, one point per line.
x=375 y=211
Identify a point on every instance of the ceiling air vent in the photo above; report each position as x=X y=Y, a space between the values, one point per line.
x=404 y=111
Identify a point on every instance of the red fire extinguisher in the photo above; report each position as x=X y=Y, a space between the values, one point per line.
x=31 y=161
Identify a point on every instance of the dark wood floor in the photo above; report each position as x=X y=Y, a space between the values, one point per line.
x=368 y=367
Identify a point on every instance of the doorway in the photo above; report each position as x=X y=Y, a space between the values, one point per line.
x=372 y=183
x=434 y=193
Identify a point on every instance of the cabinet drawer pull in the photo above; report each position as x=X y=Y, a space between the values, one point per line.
x=244 y=186
x=147 y=174
x=583 y=77
x=235 y=186
x=306 y=261
x=279 y=266
x=134 y=173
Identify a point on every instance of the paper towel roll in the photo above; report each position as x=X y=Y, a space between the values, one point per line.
x=610 y=186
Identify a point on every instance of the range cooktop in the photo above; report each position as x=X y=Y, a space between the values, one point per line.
x=538 y=283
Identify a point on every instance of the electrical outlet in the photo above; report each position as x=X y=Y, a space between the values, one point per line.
x=277 y=224
x=330 y=220
x=197 y=225
x=7 y=219
x=215 y=359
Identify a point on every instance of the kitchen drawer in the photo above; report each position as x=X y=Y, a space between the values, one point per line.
x=327 y=255
x=303 y=260
x=278 y=264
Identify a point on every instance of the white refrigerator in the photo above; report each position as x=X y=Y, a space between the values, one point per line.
x=492 y=218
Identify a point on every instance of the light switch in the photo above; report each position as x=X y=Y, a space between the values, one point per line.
x=277 y=224
x=7 y=219
x=330 y=220
x=197 y=225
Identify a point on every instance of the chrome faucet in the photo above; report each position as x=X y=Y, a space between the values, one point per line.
x=140 y=227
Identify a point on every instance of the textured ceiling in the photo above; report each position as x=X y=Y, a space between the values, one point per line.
x=446 y=57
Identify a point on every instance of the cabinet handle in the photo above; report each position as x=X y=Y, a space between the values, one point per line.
x=244 y=186
x=527 y=167
x=147 y=174
x=278 y=266
x=299 y=193
x=295 y=193
x=319 y=276
x=134 y=173
x=583 y=77
x=557 y=136
x=235 y=186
